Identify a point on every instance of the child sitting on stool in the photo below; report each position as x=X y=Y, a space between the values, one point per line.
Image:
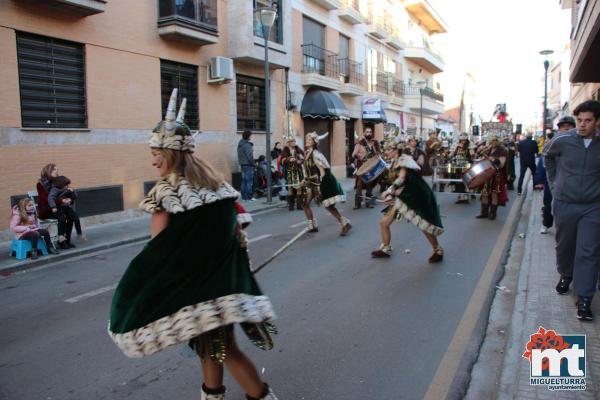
x=61 y=200
x=25 y=227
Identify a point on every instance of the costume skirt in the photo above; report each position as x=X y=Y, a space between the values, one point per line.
x=192 y=278
x=417 y=204
x=331 y=190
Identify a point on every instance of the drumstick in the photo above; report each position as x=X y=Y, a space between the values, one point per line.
x=373 y=198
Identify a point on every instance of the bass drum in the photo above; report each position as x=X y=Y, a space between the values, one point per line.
x=481 y=172
x=371 y=169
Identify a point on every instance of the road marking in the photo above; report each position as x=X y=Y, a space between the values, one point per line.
x=447 y=370
x=261 y=237
x=91 y=294
x=298 y=224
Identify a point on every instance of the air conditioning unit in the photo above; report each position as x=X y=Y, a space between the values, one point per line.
x=220 y=70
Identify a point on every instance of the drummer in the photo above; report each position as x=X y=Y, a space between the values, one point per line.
x=494 y=192
x=461 y=158
x=366 y=148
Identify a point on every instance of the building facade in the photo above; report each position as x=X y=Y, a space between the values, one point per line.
x=84 y=82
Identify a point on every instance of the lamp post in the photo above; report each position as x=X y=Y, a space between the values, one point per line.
x=267 y=19
x=545 y=53
x=421 y=87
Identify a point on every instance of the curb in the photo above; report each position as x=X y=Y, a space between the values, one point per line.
x=22 y=265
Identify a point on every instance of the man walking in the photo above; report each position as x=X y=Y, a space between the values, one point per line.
x=572 y=163
x=246 y=159
x=528 y=149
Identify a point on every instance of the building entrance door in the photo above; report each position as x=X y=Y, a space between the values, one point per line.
x=350 y=129
x=321 y=126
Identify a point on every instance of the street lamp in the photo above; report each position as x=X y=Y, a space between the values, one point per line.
x=545 y=53
x=421 y=87
x=267 y=19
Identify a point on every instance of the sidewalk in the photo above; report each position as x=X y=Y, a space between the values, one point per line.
x=105 y=236
x=525 y=300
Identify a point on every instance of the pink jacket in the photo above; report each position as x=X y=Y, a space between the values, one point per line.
x=20 y=229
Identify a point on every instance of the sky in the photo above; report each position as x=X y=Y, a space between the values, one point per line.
x=499 y=42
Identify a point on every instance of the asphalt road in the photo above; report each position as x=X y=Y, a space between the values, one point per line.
x=351 y=327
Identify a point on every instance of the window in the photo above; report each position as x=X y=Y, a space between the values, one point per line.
x=197 y=13
x=250 y=98
x=51 y=82
x=184 y=77
x=276 y=32
x=344 y=55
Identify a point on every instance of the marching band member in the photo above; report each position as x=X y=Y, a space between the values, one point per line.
x=292 y=159
x=433 y=146
x=415 y=152
x=169 y=295
x=461 y=156
x=321 y=185
x=366 y=148
x=410 y=197
x=494 y=192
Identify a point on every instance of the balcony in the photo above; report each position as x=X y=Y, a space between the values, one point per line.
x=425 y=57
x=328 y=4
x=351 y=76
x=81 y=7
x=433 y=102
x=349 y=12
x=422 y=11
x=376 y=27
x=192 y=21
x=320 y=68
x=395 y=41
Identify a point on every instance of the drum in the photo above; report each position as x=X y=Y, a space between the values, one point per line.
x=478 y=174
x=452 y=171
x=371 y=169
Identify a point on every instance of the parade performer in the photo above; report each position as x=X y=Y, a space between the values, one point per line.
x=411 y=198
x=292 y=159
x=192 y=282
x=366 y=148
x=415 y=152
x=461 y=157
x=433 y=147
x=494 y=192
x=321 y=185
x=511 y=175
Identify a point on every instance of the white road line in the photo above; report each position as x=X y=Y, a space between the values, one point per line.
x=261 y=237
x=298 y=224
x=91 y=294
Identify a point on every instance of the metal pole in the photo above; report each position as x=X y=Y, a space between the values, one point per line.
x=267 y=116
x=546 y=64
x=421 y=114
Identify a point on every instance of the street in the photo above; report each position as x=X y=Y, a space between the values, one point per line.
x=350 y=326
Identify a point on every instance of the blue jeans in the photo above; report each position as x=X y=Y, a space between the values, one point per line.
x=247 y=181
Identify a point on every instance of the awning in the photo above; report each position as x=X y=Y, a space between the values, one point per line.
x=372 y=110
x=323 y=104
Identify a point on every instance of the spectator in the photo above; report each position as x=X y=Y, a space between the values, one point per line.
x=572 y=162
x=61 y=200
x=49 y=172
x=246 y=161
x=540 y=182
x=276 y=152
x=528 y=149
x=25 y=226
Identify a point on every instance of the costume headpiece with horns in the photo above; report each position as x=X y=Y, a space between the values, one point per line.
x=316 y=137
x=173 y=133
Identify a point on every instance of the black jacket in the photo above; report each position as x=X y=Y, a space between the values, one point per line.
x=528 y=149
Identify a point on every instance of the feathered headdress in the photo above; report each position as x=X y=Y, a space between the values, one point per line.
x=316 y=137
x=173 y=133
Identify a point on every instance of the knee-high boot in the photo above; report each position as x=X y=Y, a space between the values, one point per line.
x=484 y=211
x=291 y=200
x=493 y=209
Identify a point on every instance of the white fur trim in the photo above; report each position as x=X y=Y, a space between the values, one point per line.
x=335 y=199
x=174 y=194
x=192 y=321
x=415 y=219
x=407 y=161
x=244 y=218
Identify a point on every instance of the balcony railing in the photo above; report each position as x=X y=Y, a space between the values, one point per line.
x=427 y=92
x=193 y=13
x=351 y=4
x=320 y=61
x=351 y=71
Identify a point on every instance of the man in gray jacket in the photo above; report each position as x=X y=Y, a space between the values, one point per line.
x=572 y=162
x=245 y=153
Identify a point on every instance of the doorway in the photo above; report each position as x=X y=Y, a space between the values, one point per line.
x=321 y=126
x=350 y=141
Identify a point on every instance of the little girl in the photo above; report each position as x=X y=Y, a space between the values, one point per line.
x=25 y=227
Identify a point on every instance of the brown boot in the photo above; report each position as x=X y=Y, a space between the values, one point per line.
x=299 y=202
x=437 y=256
x=345 y=226
x=493 y=209
x=484 y=211
x=382 y=252
x=291 y=201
